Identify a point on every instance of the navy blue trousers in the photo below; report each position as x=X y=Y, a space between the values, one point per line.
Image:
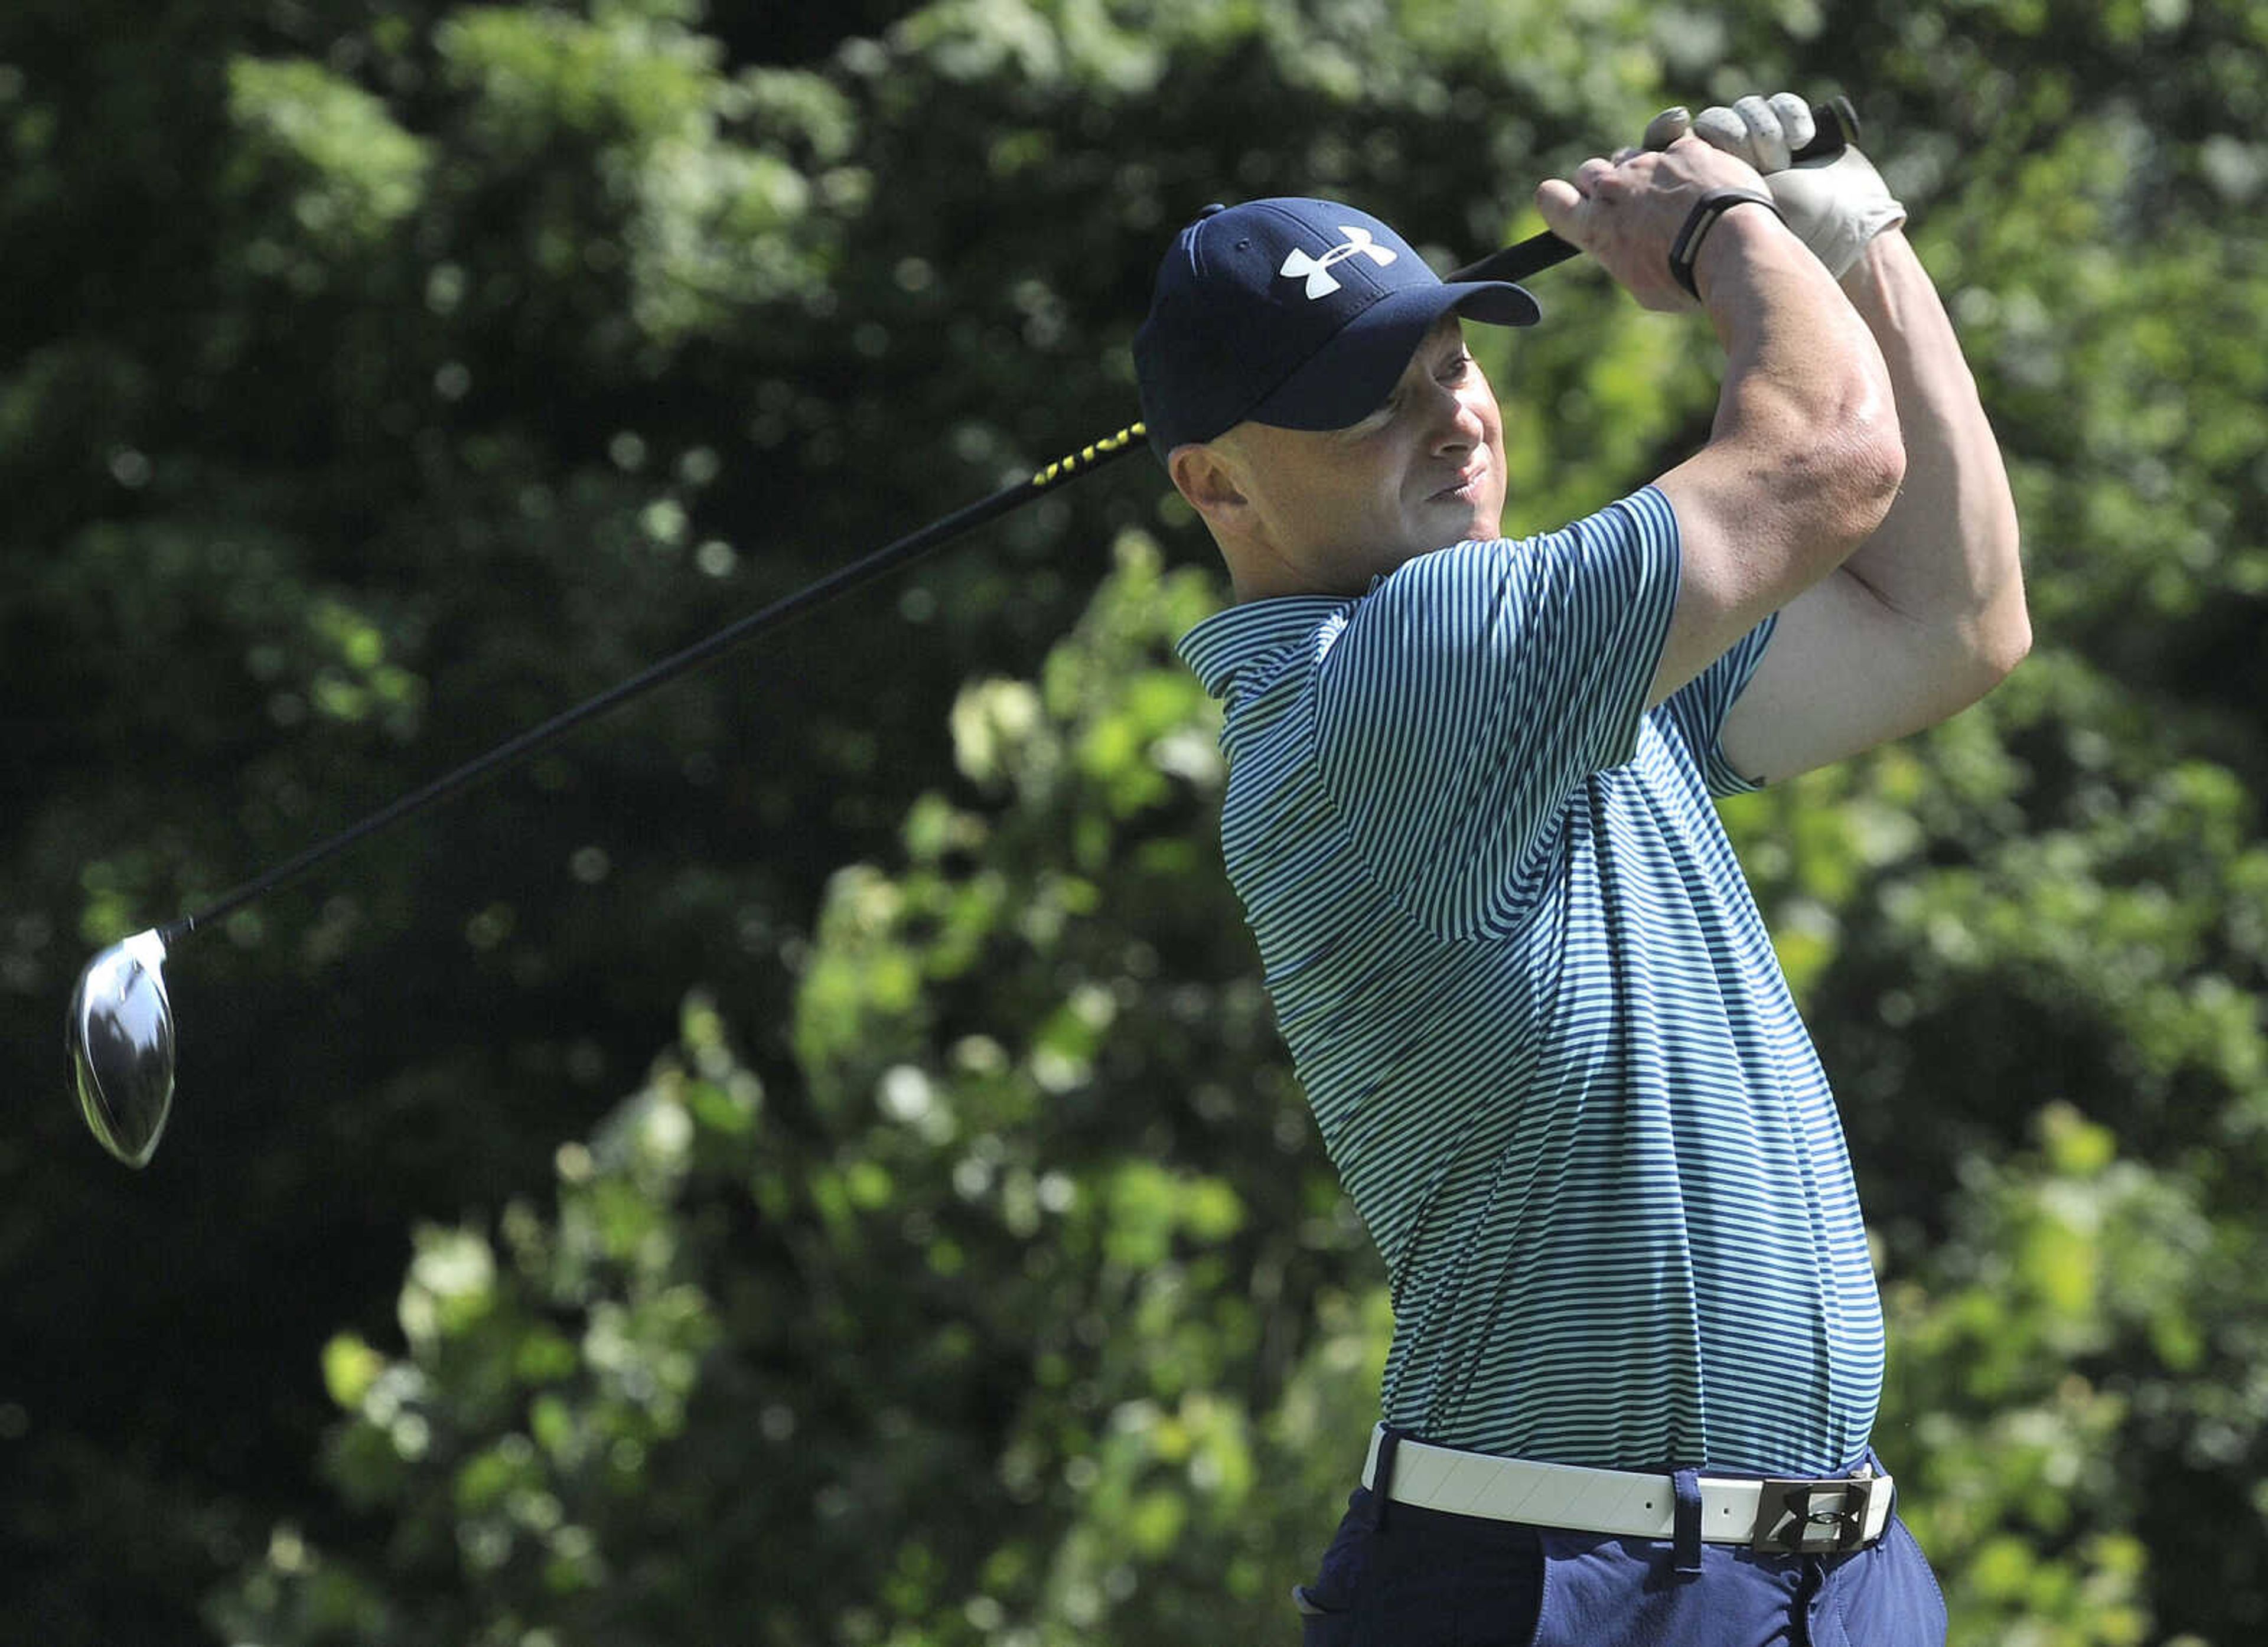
x=1416 y=1577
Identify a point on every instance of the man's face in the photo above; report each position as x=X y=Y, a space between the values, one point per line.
x=1334 y=509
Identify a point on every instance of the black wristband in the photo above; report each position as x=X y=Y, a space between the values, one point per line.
x=1714 y=205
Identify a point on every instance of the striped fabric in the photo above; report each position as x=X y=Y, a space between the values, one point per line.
x=1535 y=1011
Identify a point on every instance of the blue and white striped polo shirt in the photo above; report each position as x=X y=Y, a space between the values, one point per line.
x=1536 y=1013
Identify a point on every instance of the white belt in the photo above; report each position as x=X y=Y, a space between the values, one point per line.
x=1812 y=1517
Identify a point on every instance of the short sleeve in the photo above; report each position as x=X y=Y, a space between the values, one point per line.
x=1472 y=689
x=1698 y=708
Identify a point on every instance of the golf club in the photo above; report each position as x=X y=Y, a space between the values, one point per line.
x=120 y=1028
x=119 y=1031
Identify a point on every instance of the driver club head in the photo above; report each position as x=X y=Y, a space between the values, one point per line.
x=119 y=1032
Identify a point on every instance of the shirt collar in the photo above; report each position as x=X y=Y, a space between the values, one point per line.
x=1232 y=641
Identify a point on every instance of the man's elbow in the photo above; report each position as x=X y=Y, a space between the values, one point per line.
x=1863 y=461
x=2007 y=642
x=1869 y=468
x=1992 y=647
x=2003 y=630
x=1884 y=471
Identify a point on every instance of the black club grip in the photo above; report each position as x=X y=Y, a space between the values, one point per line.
x=1837 y=124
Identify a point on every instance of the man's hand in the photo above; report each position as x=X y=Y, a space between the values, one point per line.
x=1626 y=212
x=1834 y=206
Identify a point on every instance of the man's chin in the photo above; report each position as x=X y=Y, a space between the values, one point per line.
x=1474 y=510
x=1464 y=522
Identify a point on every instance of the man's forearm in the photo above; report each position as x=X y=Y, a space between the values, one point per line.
x=1945 y=556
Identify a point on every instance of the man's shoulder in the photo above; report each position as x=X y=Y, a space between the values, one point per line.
x=1225 y=649
x=1596 y=556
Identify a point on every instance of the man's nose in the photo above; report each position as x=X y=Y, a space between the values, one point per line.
x=1459 y=424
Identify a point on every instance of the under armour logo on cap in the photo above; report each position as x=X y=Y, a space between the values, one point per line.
x=1321 y=282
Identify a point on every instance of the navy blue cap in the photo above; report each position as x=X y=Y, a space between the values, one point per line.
x=1301 y=314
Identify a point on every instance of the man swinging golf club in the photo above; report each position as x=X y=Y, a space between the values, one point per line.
x=1637 y=1346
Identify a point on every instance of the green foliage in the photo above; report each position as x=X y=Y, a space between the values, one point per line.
x=349 y=172
x=2061 y=1259
x=506 y=1453
x=703 y=208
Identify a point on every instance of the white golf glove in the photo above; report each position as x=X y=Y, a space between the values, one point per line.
x=1833 y=206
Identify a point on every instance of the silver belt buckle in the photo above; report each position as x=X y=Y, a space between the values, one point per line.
x=1818 y=1518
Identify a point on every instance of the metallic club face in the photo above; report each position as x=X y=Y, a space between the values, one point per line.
x=119 y=1032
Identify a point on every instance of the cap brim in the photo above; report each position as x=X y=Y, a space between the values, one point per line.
x=1351 y=376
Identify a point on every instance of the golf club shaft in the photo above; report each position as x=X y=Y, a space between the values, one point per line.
x=1837 y=124
x=857 y=574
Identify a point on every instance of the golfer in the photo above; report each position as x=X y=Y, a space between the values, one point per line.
x=1637 y=1346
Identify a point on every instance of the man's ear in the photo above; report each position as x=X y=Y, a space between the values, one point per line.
x=1207 y=477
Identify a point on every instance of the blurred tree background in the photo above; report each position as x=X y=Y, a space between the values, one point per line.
x=810 y=1162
